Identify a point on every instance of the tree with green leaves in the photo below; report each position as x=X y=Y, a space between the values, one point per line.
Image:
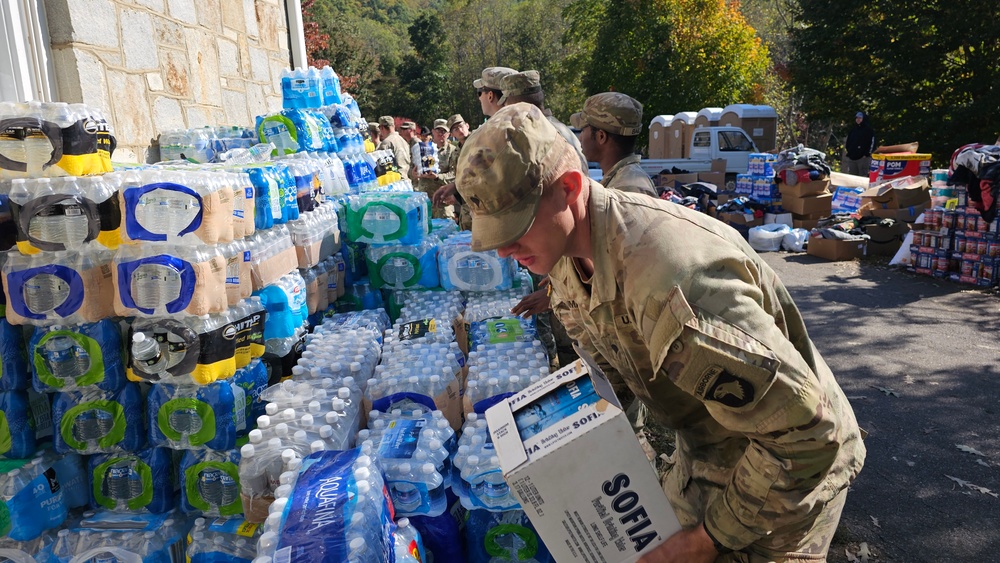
x=424 y=73
x=671 y=55
x=925 y=71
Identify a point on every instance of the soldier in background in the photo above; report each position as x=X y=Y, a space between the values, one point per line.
x=609 y=125
x=679 y=309
x=374 y=132
x=527 y=87
x=392 y=141
x=429 y=182
x=488 y=91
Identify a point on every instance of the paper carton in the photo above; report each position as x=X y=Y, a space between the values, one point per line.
x=898 y=194
x=810 y=205
x=887 y=167
x=804 y=189
x=583 y=480
x=836 y=249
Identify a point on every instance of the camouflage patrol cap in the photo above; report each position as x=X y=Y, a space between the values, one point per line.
x=387 y=121
x=520 y=84
x=441 y=124
x=454 y=120
x=408 y=125
x=503 y=169
x=373 y=124
x=613 y=112
x=491 y=77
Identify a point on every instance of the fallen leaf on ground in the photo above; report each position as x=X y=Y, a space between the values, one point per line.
x=888 y=392
x=851 y=557
x=970 y=450
x=910 y=463
x=929 y=429
x=864 y=553
x=973 y=487
x=875 y=521
x=983 y=463
x=857 y=398
x=909 y=380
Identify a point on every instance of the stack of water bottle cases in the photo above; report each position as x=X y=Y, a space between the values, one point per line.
x=195 y=367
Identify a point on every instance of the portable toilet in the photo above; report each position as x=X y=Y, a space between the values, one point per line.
x=681 y=129
x=759 y=122
x=762 y=126
x=732 y=115
x=708 y=117
x=659 y=129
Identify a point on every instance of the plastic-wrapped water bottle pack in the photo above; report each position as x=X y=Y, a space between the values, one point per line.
x=65 y=213
x=40 y=139
x=463 y=269
x=387 y=217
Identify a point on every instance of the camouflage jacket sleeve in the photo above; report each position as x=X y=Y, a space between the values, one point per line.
x=448 y=165
x=713 y=331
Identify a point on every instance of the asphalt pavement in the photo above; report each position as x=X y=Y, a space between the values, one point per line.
x=919 y=359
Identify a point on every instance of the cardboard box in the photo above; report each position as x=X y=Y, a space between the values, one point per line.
x=807 y=224
x=887 y=167
x=907 y=215
x=741 y=219
x=583 y=480
x=716 y=178
x=811 y=205
x=804 y=189
x=898 y=194
x=885 y=241
x=669 y=179
x=835 y=249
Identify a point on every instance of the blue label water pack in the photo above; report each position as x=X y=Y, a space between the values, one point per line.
x=14 y=372
x=17 y=427
x=91 y=421
x=69 y=358
x=324 y=502
x=197 y=416
x=133 y=482
x=33 y=499
x=210 y=483
x=395 y=266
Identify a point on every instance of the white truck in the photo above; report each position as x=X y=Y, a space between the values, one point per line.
x=731 y=144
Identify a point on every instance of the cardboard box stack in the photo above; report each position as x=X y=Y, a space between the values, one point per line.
x=808 y=200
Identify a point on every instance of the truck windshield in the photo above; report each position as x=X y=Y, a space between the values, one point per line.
x=734 y=141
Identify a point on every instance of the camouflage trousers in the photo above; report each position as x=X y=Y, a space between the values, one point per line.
x=429 y=187
x=806 y=542
x=465 y=218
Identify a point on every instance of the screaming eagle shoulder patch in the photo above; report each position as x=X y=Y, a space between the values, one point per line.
x=728 y=389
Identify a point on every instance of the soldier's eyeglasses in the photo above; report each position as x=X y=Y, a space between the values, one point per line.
x=479 y=92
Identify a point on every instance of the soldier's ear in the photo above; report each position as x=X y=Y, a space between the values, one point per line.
x=572 y=182
x=601 y=136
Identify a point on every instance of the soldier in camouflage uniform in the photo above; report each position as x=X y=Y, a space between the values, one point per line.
x=429 y=182
x=526 y=87
x=391 y=141
x=609 y=125
x=489 y=93
x=677 y=307
x=458 y=129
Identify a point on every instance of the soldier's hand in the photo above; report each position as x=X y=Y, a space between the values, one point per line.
x=428 y=176
x=445 y=195
x=533 y=303
x=686 y=546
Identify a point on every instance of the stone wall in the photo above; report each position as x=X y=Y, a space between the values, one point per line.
x=154 y=65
